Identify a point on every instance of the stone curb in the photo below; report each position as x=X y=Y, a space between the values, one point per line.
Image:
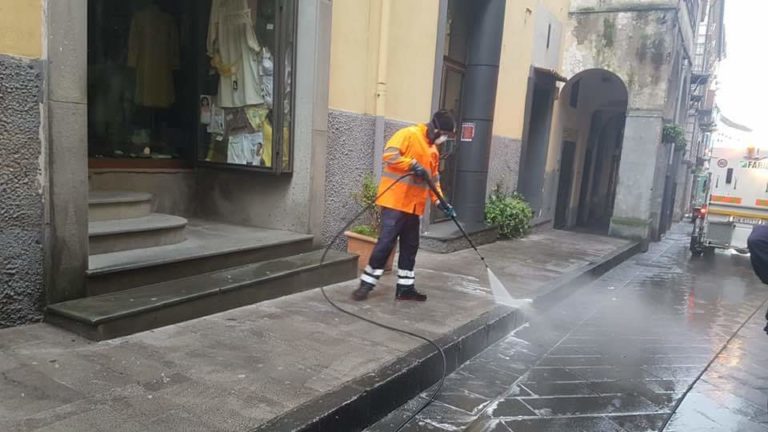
x=365 y=400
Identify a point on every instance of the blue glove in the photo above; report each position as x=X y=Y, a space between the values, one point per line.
x=418 y=170
x=447 y=209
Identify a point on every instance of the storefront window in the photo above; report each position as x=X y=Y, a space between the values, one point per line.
x=247 y=113
x=196 y=81
x=140 y=81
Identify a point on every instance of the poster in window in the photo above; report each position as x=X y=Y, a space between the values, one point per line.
x=205 y=109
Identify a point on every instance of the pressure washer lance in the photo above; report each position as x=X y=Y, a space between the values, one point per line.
x=495 y=286
x=500 y=293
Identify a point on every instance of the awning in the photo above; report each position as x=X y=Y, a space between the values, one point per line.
x=551 y=72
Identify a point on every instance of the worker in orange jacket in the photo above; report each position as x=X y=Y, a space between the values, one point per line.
x=411 y=150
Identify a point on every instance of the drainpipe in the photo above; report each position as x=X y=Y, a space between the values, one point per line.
x=380 y=104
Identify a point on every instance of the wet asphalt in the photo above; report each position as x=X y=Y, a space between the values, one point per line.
x=662 y=342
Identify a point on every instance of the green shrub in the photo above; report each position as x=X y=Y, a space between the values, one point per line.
x=674 y=134
x=510 y=213
x=366 y=198
x=365 y=230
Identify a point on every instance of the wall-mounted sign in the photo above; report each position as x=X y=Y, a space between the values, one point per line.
x=467 y=131
x=722 y=163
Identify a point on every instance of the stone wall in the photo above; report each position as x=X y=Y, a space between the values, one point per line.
x=349 y=159
x=21 y=192
x=504 y=164
x=637 y=46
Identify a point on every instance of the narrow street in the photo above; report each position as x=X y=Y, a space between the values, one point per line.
x=662 y=342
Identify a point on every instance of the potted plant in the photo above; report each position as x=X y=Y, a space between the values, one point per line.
x=362 y=237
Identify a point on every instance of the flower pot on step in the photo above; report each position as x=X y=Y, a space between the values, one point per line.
x=362 y=246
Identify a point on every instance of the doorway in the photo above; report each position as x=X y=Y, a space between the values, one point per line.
x=452 y=92
x=565 y=184
x=593 y=107
x=536 y=149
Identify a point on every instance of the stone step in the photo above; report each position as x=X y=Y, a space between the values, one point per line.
x=445 y=237
x=126 y=312
x=113 y=205
x=137 y=233
x=209 y=246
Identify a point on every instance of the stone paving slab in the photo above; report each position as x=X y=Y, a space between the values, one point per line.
x=241 y=369
x=619 y=353
x=732 y=394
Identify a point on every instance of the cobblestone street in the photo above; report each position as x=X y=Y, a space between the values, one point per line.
x=621 y=353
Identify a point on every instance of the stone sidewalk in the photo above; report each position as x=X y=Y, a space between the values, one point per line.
x=285 y=363
x=620 y=355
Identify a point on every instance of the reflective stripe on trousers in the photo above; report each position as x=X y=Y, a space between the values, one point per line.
x=395 y=225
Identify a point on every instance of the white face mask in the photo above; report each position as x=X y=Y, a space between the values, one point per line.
x=442 y=139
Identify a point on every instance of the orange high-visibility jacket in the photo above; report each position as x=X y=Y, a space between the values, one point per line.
x=410 y=194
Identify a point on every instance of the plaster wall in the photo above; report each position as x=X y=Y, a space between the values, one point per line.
x=384 y=55
x=21 y=28
x=524 y=44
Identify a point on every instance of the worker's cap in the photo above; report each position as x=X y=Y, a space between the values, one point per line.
x=444 y=122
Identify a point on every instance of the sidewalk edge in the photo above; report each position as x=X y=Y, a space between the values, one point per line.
x=367 y=399
x=559 y=289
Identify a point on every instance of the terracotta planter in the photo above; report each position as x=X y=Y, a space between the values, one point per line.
x=362 y=246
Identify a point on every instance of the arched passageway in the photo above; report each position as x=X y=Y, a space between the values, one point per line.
x=593 y=109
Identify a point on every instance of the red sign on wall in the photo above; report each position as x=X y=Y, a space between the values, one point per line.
x=467 y=131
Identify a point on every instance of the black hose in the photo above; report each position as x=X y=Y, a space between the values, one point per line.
x=378 y=324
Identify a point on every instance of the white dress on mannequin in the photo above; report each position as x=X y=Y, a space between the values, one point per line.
x=233 y=46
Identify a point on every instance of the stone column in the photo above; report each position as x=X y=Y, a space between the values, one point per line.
x=68 y=148
x=632 y=214
x=487 y=28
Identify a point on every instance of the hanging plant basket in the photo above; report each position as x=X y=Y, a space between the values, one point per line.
x=674 y=134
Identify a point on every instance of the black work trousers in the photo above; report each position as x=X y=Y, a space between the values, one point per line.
x=395 y=224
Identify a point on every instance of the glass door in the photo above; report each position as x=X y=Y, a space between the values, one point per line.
x=450 y=99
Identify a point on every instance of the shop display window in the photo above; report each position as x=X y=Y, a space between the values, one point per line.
x=201 y=82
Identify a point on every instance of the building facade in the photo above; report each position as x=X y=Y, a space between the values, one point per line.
x=133 y=126
x=710 y=50
x=495 y=64
x=149 y=141
x=628 y=64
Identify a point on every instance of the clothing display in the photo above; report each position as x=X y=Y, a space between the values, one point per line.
x=111 y=92
x=258 y=118
x=246 y=149
x=234 y=52
x=267 y=71
x=153 y=50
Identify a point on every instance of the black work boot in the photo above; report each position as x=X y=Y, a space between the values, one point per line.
x=409 y=293
x=361 y=293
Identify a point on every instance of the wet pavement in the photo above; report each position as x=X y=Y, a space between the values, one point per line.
x=662 y=342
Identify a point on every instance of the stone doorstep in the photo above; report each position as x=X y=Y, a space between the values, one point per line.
x=365 y=400
x=445 y=237
x=209 y=247
x=125 y=312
